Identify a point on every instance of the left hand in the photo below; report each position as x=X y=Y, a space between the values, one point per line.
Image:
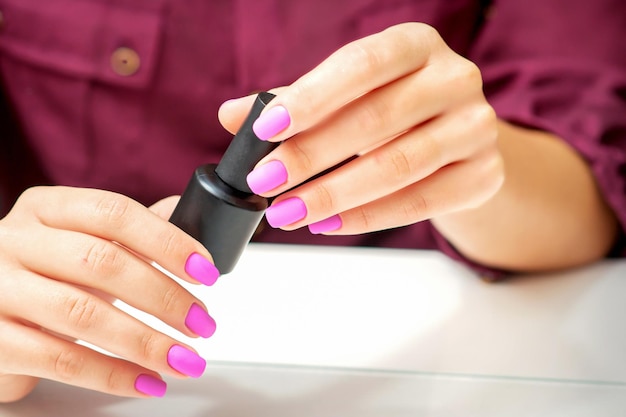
x=401 y=117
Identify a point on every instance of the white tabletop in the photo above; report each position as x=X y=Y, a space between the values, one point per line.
x=320 y=331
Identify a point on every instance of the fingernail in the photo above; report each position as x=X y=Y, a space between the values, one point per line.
x=271 y=122
x=201 y=269
x=326 y=225
x=286 y=212
x=185 y=361
x=267 y=177
x=149 y=385
x=199 y=321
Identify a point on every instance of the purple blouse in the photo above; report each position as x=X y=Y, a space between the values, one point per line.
x=123 y=94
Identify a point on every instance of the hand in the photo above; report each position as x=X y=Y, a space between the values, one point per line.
x=65 y=254
x=403 y=120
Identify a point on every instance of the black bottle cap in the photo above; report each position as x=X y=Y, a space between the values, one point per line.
x=218 y=208
x=246 y=149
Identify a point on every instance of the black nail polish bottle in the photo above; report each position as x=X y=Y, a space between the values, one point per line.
x=218 y=208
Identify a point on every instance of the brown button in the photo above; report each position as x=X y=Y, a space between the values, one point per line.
x=125 y=61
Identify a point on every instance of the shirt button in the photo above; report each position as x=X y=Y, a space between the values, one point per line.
x=125 y=61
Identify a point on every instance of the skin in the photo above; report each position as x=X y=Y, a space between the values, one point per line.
x=548 y=215
x=61 y=269
x=429 y=146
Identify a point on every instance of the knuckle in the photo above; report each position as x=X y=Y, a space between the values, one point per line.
x=469 y=74
x=29 y=197
x=31 y=193
x=170 y=242
x=488 y=122
x=112 y=209
x=113 y=381
x=300 y=156
x=411 y=27
x=102 y=258
x=427 y=32
x=373 y=116
x=171 y=299
x=364 y=57
x=482 y=122
x=434 y=149
x=81 y=311
x=323 y=198
x=486 y=119
x=395 y=165
x=305 y=91
x=67 y=365
x=149 y=346
x=418 y=36
x=363 y=218
x=463 y=77
x=417 y=207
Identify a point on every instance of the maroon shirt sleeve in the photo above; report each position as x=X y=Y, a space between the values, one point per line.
x=560 y=66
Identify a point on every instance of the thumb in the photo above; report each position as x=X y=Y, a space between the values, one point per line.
x=232 y=113
x=164 y=208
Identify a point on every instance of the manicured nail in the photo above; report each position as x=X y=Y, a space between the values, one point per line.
x=199 y=321
x=267 y=177
x=326 y=225
x=286 y=212
x=271 y=122
x=201 y=269
x=149 y=385
x=185 y=361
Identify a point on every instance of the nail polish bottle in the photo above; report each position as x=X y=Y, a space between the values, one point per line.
x=218 y=208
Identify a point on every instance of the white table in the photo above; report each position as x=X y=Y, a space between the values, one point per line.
x=319 y=331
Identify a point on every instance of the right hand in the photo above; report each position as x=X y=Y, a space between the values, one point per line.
x=65 y=254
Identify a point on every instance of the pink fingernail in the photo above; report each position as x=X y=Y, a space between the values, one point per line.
x=271 y=122
x=149 y=385
x=327 y=225
x=199 y=321
x=267 y=177
x=185 y=361
x=201 y=269
x=286 y=212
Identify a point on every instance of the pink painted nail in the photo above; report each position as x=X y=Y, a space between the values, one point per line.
x=199 y=321
x=267 y=177
x=286 y=212
x=185 y=361
x=201 y=269
x=326 y=225
x=149 y=385
x=271 y=122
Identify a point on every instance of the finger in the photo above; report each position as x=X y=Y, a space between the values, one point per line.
x=459 y=186
x=165 y=207
x=67 y=310
x=366 y=122
x=350 y=72
x=118 y=218
x=15 y=387
x=99 y=264
x=232 y=113
x=27 y=351
x=396 y=164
